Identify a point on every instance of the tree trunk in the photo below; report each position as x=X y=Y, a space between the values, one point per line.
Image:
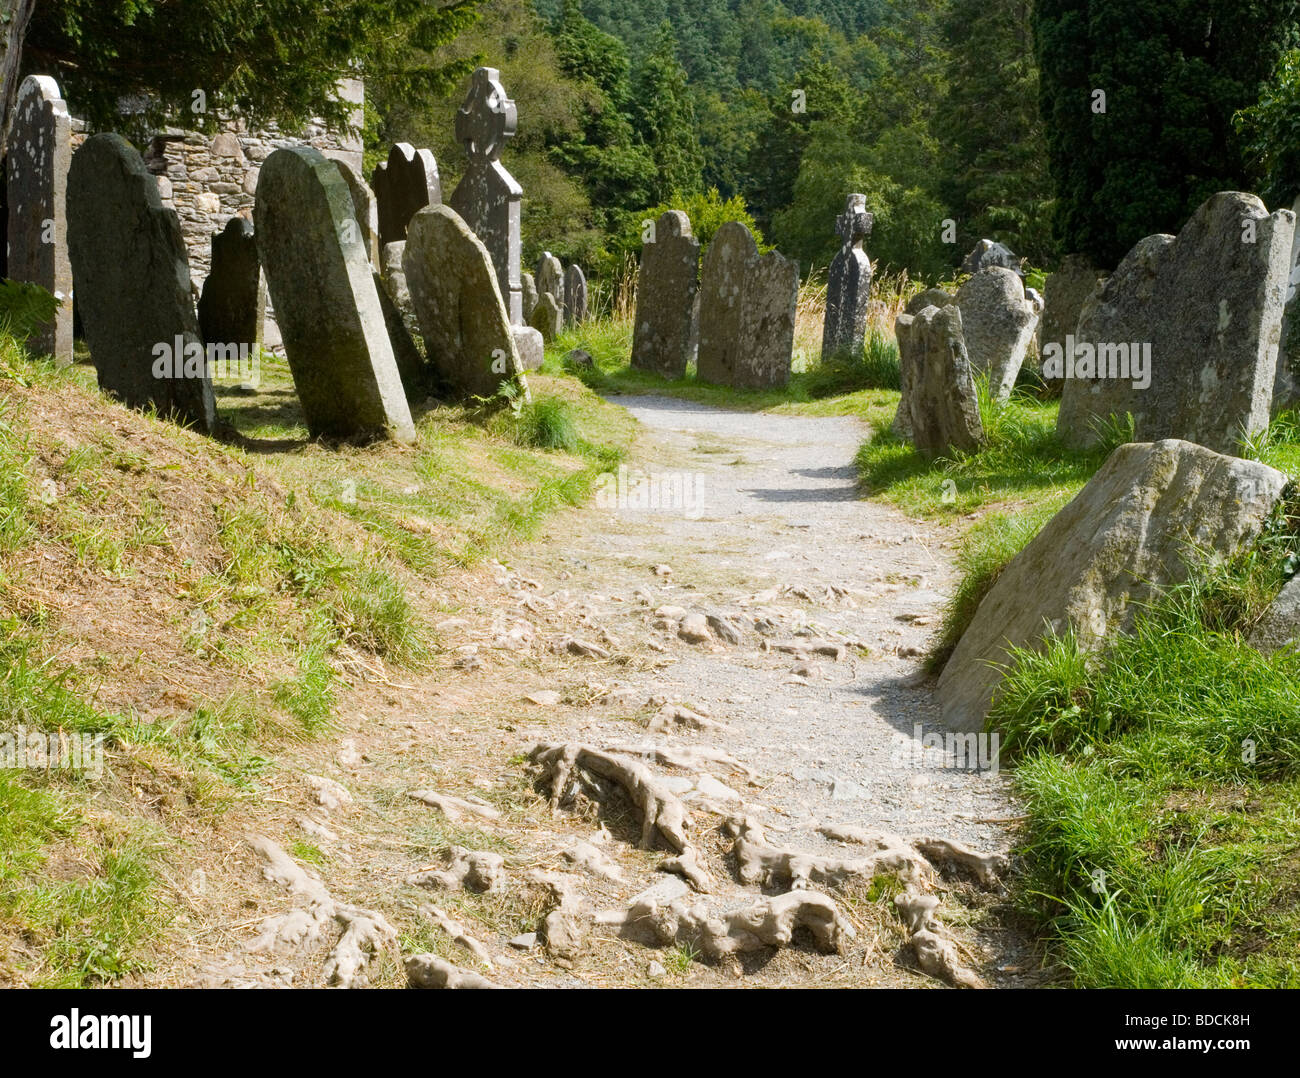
x=14 y=17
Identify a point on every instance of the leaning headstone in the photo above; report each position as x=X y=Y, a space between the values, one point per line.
x=989 y=253
x=938 y=408
x=547 y=318
x=665 y=296
x=131 y=274
x=998 y=321
x=529 y=346
x=400 y=321
x=365 y=209
x=404 y=184
x=1184 y=334
x=747 y=311
x=575 y=296
x=487 y=197
x=1065 y=293
x=550 y=277
x=326 y=303
x=528 y=292
x=1125 y=537
x=232 y=306
x=40 y=152
x=931 y=297
x=848 y=286
x=1286 y=384
x=467 y=332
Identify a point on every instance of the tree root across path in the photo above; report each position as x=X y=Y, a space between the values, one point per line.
x=430 y=971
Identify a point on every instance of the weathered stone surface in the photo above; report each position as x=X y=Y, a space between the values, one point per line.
x=1207 y=305
x=1065 y=293
x=365 y=208
x=326 y=303
x=665 y=297
x=988 y=253
x=550 y=277
x=404 y=184
x=747 y=309
x=395 y=302
x=547 y=318
x=848 y=286
x=467 y=332
x=998 y=323
x=1286 y=383
x=40 y=152
x=938 y=409
x=487 y=197
x=132 y=281
x=530 y=346
x=1280 y=626
x=232 y=308
x=528 y=290
x=931 y=297
x=575 y=296
x=1126 y=536
x=579 y=358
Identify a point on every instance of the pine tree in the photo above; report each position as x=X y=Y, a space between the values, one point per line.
x=665 y=119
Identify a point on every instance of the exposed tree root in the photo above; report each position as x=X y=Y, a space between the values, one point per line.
x=365 y=933
x=936 y=952
x=760 y=863
x=458 y=934
x=470 y=870
x=585 y=855
x=456 y=807
x=430 y=971
x=692 y=758
x=672 y=717
x=987 y=867
x=567 y=924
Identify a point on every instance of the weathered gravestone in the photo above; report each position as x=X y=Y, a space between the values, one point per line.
x=365 y=209
x=998 y=321
x=40 y=152
x=1184 y=334
x=550 y=278
x=575 y=296
x=547 y=318
x=1286 y=384
x=232 y=307
x=487 y=197
x=528 y=291
x=848 y=286
x=1124 y=538
x=989 y=253
x=931 y=297
x=747 y=311
x=326 y=302
x=131 y=275
x=467 y=332
x=938 y=409
x=404 y=184
x=665 y=296
x=400 y=321
x=1065 y=293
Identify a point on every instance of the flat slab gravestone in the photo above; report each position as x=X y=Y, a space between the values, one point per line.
x=747 y=311
x=328 y=308
x=848 y=285
x=232 y=306
x=662 y=339
x=1202 y=313
x=938 y=408
x=40 y=153
x=575 y=296
x=998 y=321
x=131 y=274
x=467 y=332
x=403 y=185
x=487 y=197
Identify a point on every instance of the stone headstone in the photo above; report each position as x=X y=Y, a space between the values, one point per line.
x=404 y=184
x=747 y=310
x=938 y=408
x=575 y=296
x=232 y=307
x=1280 y=625
x=930 y=297
x=848 y=286
x=989 y=253
x=487 y=197
x=550 y=277
x=131 y=275
x=528 y=292
x=40 y=152
x=665 y=297
x=1184 y=334
x=1125 y=537
x=530 y=347
x=1065 y=293
x=998 y=322
x=1286 y=384
x=547 y=318
x=326 y=303
x=400 y=321
x=467 y=332
x=365 y=208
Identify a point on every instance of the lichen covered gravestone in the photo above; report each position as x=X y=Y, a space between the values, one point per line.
x=989 y=253
x=1184 y=334
x=528 y=290
x=365 y=208
x=665 y=296
x=575 y=296
x=326 y=302
x=550 y=278
x=400 y=321
x=998 y=321
x=40 y=152
x=547 y=318
x=487 y=197
x=403 y=185
x=938 y=408
x=232 y=307
x=848 y=287
x=132 y=280
x=467 y=332
x=747 y=311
